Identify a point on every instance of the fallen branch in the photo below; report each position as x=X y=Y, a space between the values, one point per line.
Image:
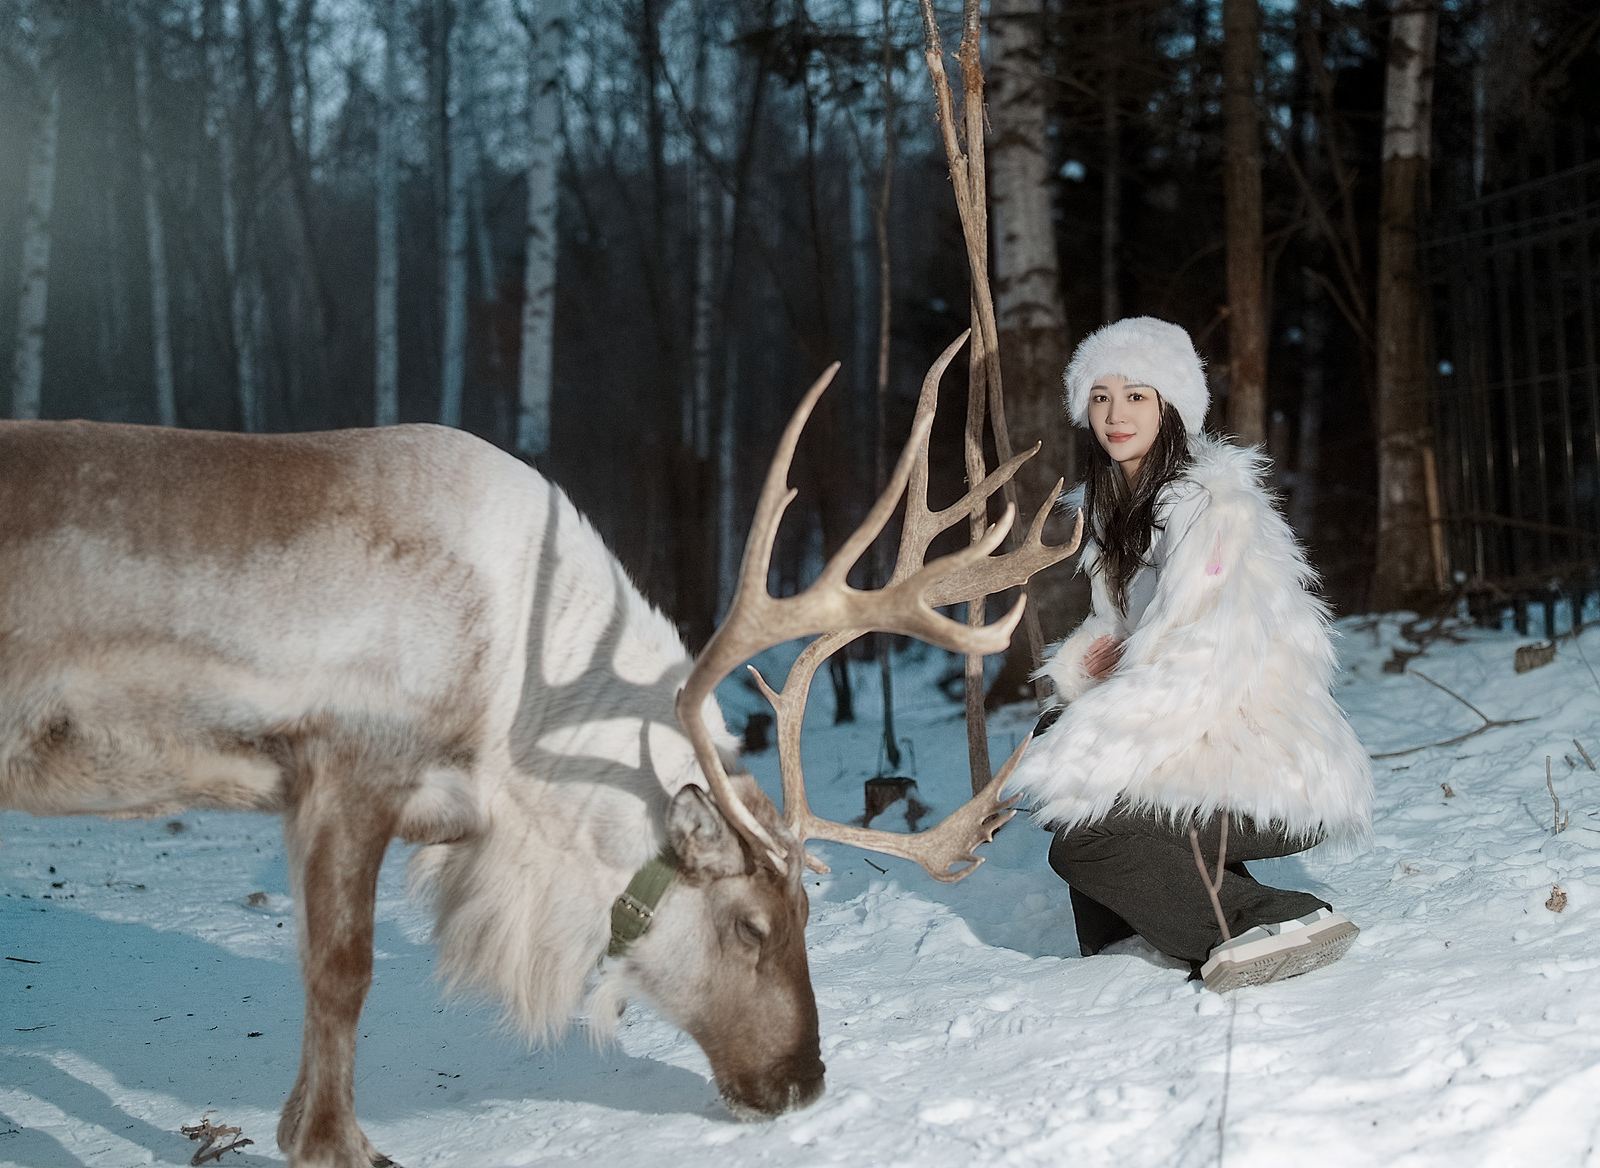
x=1585 y=754
x=1488 y=722
x=1560 y=821
x=206 y=1153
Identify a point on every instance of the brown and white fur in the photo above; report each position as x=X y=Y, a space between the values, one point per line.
x=398 y=633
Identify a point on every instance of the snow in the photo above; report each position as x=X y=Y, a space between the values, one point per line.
x=959 y=1026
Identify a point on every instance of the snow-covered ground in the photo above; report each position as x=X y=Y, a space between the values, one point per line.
x=141 y=988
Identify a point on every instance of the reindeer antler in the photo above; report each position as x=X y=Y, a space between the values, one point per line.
x=905 y=604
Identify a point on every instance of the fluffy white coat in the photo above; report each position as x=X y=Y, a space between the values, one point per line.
x=1221 y=700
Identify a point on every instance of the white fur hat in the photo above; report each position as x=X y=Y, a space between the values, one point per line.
x=1144 y=349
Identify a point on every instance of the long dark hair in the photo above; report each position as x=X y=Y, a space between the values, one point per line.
x=1122 y=515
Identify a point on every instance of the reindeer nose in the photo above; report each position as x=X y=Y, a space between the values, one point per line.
x=805 y=1074
x=795 y=1082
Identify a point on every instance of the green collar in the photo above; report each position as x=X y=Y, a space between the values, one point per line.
x=633 y=911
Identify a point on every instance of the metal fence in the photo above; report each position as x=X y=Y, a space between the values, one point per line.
x=1516 y=277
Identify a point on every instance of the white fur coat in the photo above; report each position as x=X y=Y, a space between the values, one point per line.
x=1221 y=699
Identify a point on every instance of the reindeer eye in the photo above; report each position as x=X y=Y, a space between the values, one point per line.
x=751 y=931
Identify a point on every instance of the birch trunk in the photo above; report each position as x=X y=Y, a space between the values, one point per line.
x=1030 y=315
x=1405 y=567
x=539 y=273
x=453 y=347
x=27 y=386
x=155 y=240
x=220 y=117
x=386 y=306
x=482 y=239
x=1247 y=326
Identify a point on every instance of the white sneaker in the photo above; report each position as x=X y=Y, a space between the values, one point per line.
x=1273 y=952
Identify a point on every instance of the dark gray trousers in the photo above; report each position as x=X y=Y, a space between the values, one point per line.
x=1135 y=873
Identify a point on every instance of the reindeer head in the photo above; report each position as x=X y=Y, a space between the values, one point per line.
x=748 y=1000
x=726 y=957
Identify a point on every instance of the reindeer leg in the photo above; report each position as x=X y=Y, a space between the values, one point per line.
x=337 y=831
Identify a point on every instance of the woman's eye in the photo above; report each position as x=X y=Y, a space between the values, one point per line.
x=1136 y=396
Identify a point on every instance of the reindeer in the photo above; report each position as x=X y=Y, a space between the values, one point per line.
x=405 y=633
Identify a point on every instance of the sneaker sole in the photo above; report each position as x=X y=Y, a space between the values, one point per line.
x=1324 y=948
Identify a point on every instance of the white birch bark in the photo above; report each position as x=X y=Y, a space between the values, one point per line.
x=1029 y=311
x=453 y=354
x=34 y=288
x=1408 y=85
x=155 y=240
x=219 y=116
x=386 y=330
x=546 y=27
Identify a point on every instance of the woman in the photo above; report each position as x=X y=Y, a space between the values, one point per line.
x=1197 y=690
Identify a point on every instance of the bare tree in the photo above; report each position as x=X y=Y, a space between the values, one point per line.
x=458 y=114
x=155 y=230
x=33 y=291
x=219 y=118
x=697 y=403
x=1406 y=563
x=880 y=224
x=386 y=308
x=969 y=183
x=1029 y=311
x=1247 y=328
x=544 y=22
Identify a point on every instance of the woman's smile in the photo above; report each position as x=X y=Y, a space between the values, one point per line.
x=1115 y=402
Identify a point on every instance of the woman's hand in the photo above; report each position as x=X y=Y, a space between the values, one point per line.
x=1102 y=657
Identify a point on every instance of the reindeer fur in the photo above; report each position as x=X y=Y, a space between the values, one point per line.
x=384 y=633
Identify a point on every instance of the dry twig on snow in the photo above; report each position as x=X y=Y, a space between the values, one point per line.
x=1488 y=722
x=210 y=1135
x=1585 y=754
x=1560 y=822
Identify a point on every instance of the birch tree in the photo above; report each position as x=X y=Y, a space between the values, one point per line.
x=544 y=22
x=386 y=329
x=155 y=232
x=1247 y=326
x=33 y=291
x=1406 y=561
x=458 y=112
x=219 y=119
x=1030 y=316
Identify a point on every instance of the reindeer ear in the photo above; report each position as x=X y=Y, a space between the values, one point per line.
x=706 y=846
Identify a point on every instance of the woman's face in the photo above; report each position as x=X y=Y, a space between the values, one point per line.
x=1125 y=416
